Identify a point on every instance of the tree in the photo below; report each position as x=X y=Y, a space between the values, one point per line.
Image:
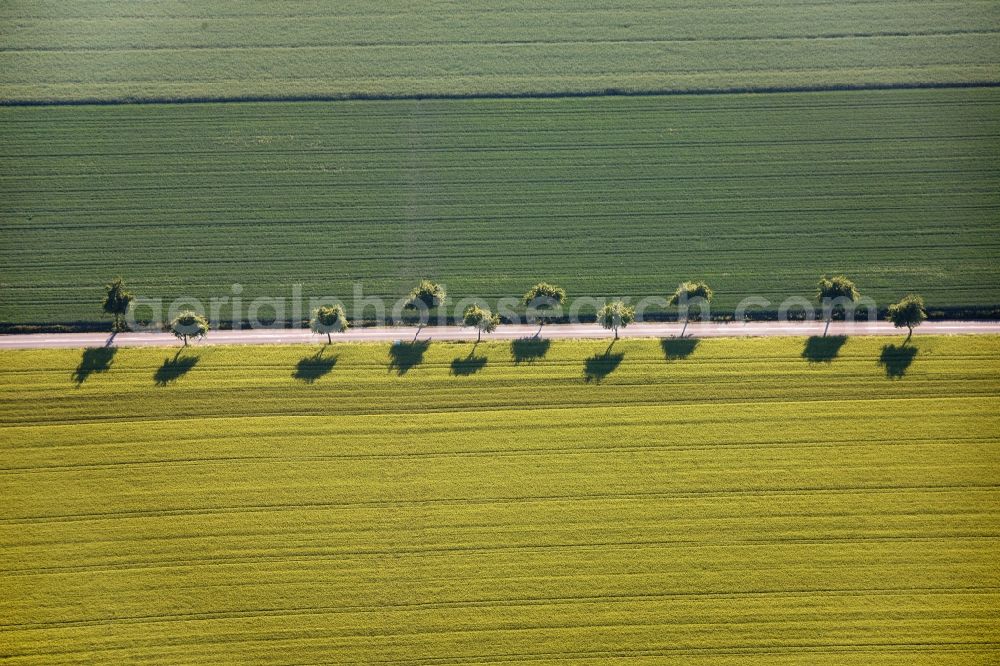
x=425 y=296
x=832 y=293
x=614 y=315
x=544 y=297
x=329 y=319
x=482 y=319
x=116 y=303
x=909 y=312
x=189 y=325
x=687 y=292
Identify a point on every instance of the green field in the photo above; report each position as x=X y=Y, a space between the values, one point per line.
x=176 y=49
x=723 y=500
x=606 y=195
x=758 y=194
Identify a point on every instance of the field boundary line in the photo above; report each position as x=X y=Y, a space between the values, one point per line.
x=540 y=94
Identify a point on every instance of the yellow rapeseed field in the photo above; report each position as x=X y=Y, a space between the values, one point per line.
x=733 y=501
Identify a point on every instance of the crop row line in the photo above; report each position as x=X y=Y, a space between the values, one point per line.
x=335 y=555
x=610 y=449
x=366 y=44
x=514 y=500
x=508 y=603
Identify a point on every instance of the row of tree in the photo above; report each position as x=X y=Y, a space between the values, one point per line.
x=544 y=298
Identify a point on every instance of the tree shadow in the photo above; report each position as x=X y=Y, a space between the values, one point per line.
x=896 y=360
x=405 y=355
x=528 y=350
x=599 y=366
x=823 y=350
x=311 y=368
x=469 y=365
x=675 y=349
x=174 y=368
x=94 y=359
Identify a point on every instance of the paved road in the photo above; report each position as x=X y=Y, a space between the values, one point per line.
x=554 y=331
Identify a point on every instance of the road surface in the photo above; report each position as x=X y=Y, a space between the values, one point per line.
x=552 y=331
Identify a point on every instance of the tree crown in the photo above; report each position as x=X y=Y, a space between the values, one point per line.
x=428 y=293
x=615 y=314
x=327 y=318
x=118 y=298
x=189 y=324
x=688 y=291
x=908 y=312
x=544 y=295
x=837 y=286
x=481 y=318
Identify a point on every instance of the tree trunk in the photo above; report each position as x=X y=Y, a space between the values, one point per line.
x=684 y=330
x=827 y=328
x=185 y=341
x=479 y=335
x=616 y=332
x=417 y=334
x=329 y=340
x=909 y=335
x=539 y=331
